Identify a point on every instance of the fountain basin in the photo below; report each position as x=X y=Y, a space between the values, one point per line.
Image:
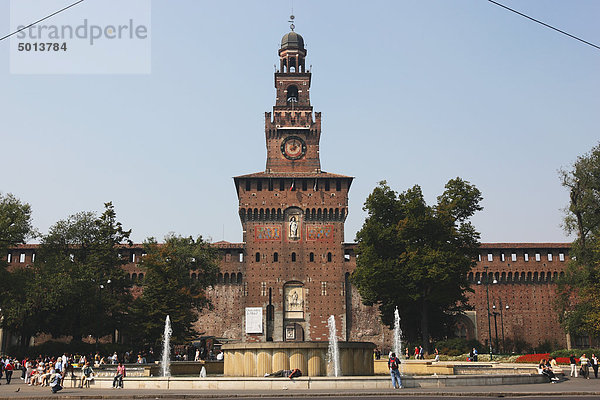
x=258 y=359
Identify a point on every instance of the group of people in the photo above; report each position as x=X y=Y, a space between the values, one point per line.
x=584 y=366
x=51 y=371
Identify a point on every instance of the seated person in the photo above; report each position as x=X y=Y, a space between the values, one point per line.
x=87 y=374
x=547 y=371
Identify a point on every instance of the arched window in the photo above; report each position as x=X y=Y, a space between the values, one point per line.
x=529 y=276
x=292 y=94
x=311 y=257
x=293 y=257
x=257 y=257
x=510 y=277
x=239 y=278
x=329 y=257
x=128 y=277
x=503 y=277
x=134 y=277
x=477 y=277
x=226 y=278
x=232 y=279
x=220 y=278
x=275 y=257
x=542 y=276
x=522 y=277
x=470 y=278
x=535 y=276
x=141 y=278
x=562 y=274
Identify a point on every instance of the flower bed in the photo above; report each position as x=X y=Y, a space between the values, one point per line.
x=532 y=358
x=536 y=358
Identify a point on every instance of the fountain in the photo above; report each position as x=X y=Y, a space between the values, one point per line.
x=398 y=339
x=166 y=353
x=333 y=354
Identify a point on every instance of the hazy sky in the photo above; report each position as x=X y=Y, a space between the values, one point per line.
x=413 y=92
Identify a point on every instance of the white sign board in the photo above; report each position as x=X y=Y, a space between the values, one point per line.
x=254 y=320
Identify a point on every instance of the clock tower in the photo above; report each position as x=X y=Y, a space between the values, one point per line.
x=293 y=215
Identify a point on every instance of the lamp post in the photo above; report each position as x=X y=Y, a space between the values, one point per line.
x=99 y=321
x=502 y=323
x=495 y=314
x=487 y=294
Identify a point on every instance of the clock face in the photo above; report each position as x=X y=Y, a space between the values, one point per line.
x=293 y=148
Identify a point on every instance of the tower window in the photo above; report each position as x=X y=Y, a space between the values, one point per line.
x=248 y=185
x=22 y=257
x=257 y=257
x=329 y=257
x=338 y=185
x=513 y=256
x=292 y=92
x=270 y=185
x=311 y=257
x=561 y=257
x=327 y=186
x=323 y=288
x=275 y=257
x=258 y=186
x=293 y=257
x=281 y=185
x=304 y=185
x=549 y=256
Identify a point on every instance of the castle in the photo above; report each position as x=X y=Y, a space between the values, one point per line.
x=291 y=272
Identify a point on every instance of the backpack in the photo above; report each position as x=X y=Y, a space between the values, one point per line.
x=394 y=363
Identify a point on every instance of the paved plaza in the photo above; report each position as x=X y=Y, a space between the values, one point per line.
x=567 y=388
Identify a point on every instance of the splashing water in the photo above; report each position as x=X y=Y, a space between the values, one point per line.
x=398 y=339
x=166 y=353
x=333 y=353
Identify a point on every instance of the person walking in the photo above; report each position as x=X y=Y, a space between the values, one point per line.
x=573 y=363
x=585 y=366
x=594 y=361
x=8 y=370
x=393 y=365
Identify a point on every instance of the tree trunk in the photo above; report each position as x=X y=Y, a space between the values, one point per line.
x=425 y=325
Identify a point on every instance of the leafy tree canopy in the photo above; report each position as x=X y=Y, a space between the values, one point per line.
x=169 y=290
x=15 y=224
x=416 y=257
x=578 y=302
x=67 y=290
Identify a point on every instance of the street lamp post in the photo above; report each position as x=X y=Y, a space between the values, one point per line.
x=487 y=294
x=502 y=323
x=99 y=321
x=495 y=314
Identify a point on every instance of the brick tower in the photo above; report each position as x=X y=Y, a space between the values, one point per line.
x=293 y=217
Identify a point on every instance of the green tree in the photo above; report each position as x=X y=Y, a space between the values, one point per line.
x=169 y=290
x=578 y=302
x=67 y=291
x=417 y=257
x=15 y=228
x=15 y=224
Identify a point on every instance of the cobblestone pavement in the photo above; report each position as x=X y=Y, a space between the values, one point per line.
x=567 y=388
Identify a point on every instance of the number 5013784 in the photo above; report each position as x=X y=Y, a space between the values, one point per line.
x=48 y=46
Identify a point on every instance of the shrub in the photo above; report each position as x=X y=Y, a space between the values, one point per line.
x=457 y=346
